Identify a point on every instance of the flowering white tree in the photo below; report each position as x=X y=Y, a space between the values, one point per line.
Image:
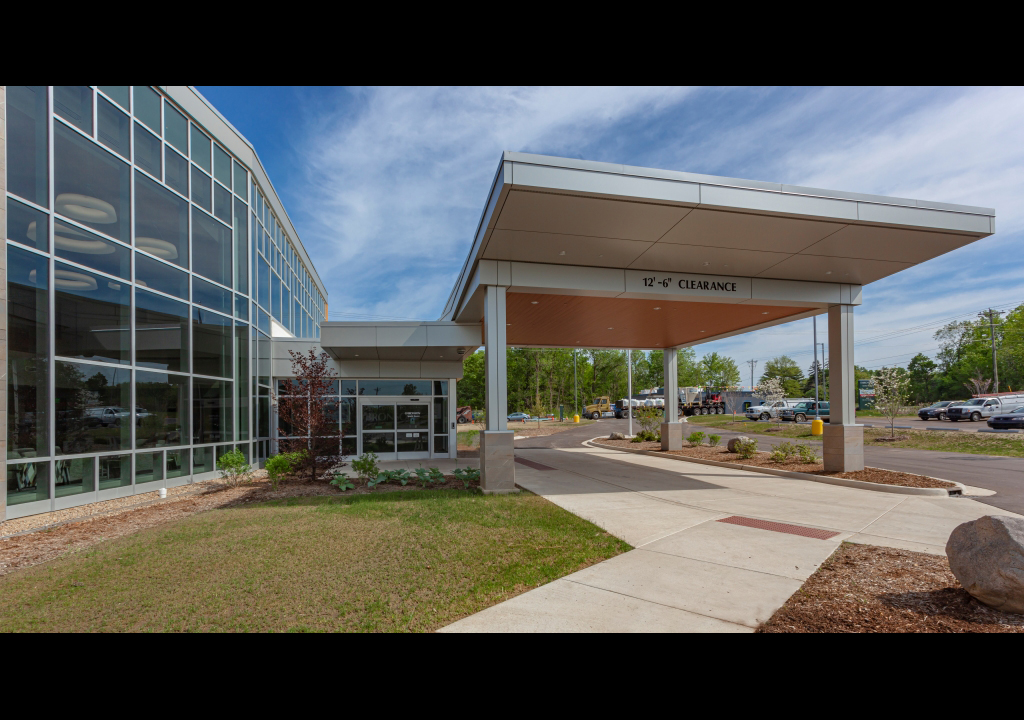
x=771 y=391
x=892 y=391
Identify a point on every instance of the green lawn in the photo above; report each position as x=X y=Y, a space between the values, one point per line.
x=399 y=561
x=962 y=442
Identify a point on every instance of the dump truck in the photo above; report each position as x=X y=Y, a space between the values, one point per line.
x=464 y=414
x=600 y=405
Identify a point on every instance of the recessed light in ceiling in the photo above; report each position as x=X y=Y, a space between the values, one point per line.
x=658 y=308
x=533 y=302
x=611 y=328
x=829 y=272
x=703 y=330
x=562 y=253
x=706 y=264
x=765 y=312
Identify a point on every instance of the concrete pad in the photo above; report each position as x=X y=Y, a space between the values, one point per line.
x=566 y=606
x=813 y=513
x=927 y=521
x=865 y=539
x=732 y=594
x=765 y=551
x=639 y=526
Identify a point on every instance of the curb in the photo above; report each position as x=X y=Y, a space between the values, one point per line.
x=956 y=491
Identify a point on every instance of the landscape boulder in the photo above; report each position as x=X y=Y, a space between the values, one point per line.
x=987 y=557
x=733 y=445
x=616 y=436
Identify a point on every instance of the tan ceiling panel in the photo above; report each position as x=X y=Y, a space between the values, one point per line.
x=743 y=231
x=819 y=268
x=521 y=246
x=592 y=217
x=668 y=257
x=572 y=321
x=893 y=244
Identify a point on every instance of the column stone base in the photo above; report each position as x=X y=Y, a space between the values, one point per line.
x=672 y=436
x=497 y=462
x=843 y=448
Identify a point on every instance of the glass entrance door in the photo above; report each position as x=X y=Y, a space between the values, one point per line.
x=396 y=429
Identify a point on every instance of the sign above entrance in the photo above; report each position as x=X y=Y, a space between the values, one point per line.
x=659 y=283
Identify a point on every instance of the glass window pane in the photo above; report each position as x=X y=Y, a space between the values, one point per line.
x=86 y=248
x=161 y=332
x=264 y=284
x=240 y=180
x=263 y=350
x=27 y=225
x=74 y=477
x=275 y=296
x=178 y=463
x=221 y=165
x=264 y=416
x=241 y=307
x=161 y=412
x=378 y=443
x=93 y=408
x=93 y=316
x=242 y=379
x=149 y=467
x=147 y=151
x=114 y=127
x=28 y=482
x=200 y=149
x=211 y=343
x=212 y=296
x=159 y=276
x=175 y=128
x=27 y=355
x=147 y=107
x=176 y=171
x=348 y=387
x=222 y=203
x=264 y=322
x=117 y=93
x=414 y=417
x=211 y=248
x=378 y=417
x=90 y=184
x=201 y=192
x=115 y=471
x=161 y=222
x=202 y=460
x=27 y=143
x=74 y=104
x=212 y=410
x=394 y=387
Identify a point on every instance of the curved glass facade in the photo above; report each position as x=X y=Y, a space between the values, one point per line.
x=144 y=265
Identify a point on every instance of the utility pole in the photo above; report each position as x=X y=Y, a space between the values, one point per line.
x=575 y=387
x=629 y=386
x=752 y=364
x=816 y=400
x=991 y=315
x=824 y=383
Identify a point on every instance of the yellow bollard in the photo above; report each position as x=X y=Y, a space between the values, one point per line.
x=817 y=426
x=575 y=418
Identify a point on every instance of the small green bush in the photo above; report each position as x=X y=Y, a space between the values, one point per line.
x=466 y=475
x=808 y=455
x=234 y=468
x=280 y=465
x=747 y=450
x=342 y=482
x=423 y=477
x=366 y=466
x=713 y=440
x=636 y=439
x=695 y=439
x=436 y=475
x=783 y=452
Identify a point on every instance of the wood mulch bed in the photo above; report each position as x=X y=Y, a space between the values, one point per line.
x=863 y=588
x=763 y=459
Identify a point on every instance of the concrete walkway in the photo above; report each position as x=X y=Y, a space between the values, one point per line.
x=689 y=571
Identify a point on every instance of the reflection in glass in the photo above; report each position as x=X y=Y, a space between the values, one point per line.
x=211 y=256
x=148 y=150
x=117 y=93
x=147 y=107
x=378 y=442
x=114 y=127
x=378 y=417
x=348 y=446
x=440 y=425
x=264 y=414
x=202 y=460
x=93 y=408
x=176 y=175
x=27 y=226
x=201 y=192
x=211 y=343
x=212 y=410
x=240 y=181
x=418 y=441
x=178 y=463
x=27 y=355
x=264 y=285
x=212 y=296
x=161 y=332
x=74 y=477
x=221 y=165
x=241 y=249
x=150 y=273
x=90 y=184
x=86 y=248
x=200 y=149
x=93 y=316
x=331 y=411
x=413 y=417
x=161 y=222
x=394 y=387
x=161 y=412
x=175 y=128
x=242 y=379
x=264 y=359
x=241 y=307
x=149 y=467
x=115 y=471
x=28 y=482
x=440 y=387
x=275 y=297
x=222 y=202
x=74 y=104
x=348 y=387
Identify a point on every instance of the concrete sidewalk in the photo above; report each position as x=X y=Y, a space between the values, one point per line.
x=690 y=571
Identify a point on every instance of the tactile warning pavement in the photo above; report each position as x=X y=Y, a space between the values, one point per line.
x=780 y=527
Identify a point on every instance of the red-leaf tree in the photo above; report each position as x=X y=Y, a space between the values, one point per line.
x=302 y=410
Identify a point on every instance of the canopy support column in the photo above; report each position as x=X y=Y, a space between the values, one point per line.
x=843 y=438
x=671 y=429
x=497 y=456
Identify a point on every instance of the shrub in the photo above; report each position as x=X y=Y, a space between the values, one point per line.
x=423 y=477
x=385 y=476
x=808 y=455
x=283 y=464
x=695 y=439
x=466 y=475
x=234 y=468
x=649 y=418
x=713 y=440
x=784 y=452
x=436 y=475
x=637 y=439
x=366 y=466
x=747 y=449
x=342 y=482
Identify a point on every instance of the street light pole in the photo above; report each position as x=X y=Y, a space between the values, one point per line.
x=824 y=383
x=816 y=400
x=629 y=385
x=575 y=388
x=990 y=314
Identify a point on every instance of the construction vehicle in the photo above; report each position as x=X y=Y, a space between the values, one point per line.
x=600 y=405
x=701 y=401
x=464 y=415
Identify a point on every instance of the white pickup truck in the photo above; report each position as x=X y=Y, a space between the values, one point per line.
x=766 y=412
x=985 y=406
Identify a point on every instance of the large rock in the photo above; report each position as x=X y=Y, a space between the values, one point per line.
x=616 y=436
x=734 y=443
x=987 y=557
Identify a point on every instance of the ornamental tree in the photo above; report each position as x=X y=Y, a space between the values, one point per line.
x=303 y=412
x=892 y=390
x=772 y=391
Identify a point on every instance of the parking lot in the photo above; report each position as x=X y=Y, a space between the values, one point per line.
x=917 y=423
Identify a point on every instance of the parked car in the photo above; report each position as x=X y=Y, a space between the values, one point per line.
x=519 y=417
x=109 y=416
x=767 y=412
x=985 y=406
x=938 y=410
x=804 y=410
x=1013 y=419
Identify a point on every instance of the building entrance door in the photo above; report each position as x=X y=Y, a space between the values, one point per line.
x=395 y=428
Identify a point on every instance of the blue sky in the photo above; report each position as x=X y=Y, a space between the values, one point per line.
x=385 y=186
